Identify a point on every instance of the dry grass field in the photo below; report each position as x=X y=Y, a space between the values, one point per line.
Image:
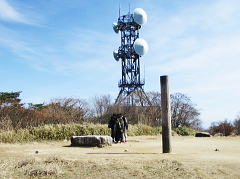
x=141 y=157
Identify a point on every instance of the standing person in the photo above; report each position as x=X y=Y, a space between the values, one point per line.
x=125 y=128
x=112 y=126
x=119 y=128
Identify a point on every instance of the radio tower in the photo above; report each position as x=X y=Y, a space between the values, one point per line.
x=131 y=49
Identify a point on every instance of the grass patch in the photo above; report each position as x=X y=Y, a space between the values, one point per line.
x=65 y=131
x=142 y=129
x=61 y=168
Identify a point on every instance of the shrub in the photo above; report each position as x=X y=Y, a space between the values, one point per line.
x=225 y=127
x=237 y=125
x=184 y=131
x=19 y=117
x=6 y=124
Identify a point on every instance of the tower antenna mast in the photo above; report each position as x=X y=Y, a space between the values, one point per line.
x=119 y=10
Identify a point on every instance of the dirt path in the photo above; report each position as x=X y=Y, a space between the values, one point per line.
x=197 y=155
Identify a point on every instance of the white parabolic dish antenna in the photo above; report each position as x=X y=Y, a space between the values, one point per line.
x=115 y=27
x=115 y=55
x=140 y=16
x=140 y=46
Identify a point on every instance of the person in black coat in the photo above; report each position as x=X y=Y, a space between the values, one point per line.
x=112 y=126
x=119 y=127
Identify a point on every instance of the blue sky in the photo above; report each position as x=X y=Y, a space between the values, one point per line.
x=52 y=48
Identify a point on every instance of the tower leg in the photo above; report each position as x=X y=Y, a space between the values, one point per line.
x=137 y=92
x=119 y=97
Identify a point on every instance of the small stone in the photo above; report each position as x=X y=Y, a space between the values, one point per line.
x=217 y=150
x=36 y=152
x=126 y=150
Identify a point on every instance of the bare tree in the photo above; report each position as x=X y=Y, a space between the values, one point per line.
x=154 y=97
x=137 y=113
x=101 y=105
x=153 y=112
x=75 y=109
x=184 y=112
x=236 y=125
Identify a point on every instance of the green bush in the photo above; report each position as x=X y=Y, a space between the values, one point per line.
x=184 y=131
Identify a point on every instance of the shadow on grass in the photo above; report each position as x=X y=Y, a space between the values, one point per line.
x=122 y=153
x=78 y=146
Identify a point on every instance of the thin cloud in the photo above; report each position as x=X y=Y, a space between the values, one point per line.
x=9 y=13
x=85 y=50
x=184 y=43
x=198 y=47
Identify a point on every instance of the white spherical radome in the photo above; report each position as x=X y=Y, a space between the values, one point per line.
x=140 y=46
x=140 y=16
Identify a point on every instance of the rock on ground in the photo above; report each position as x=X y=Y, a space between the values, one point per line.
x=202 y=134
x=91 y=140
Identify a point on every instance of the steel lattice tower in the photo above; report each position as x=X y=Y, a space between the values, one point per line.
x=131 y=84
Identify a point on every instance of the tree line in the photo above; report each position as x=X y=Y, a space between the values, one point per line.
x=225 y=127
x=14 y=114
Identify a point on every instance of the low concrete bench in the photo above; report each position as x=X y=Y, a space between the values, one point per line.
x=91 y=140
